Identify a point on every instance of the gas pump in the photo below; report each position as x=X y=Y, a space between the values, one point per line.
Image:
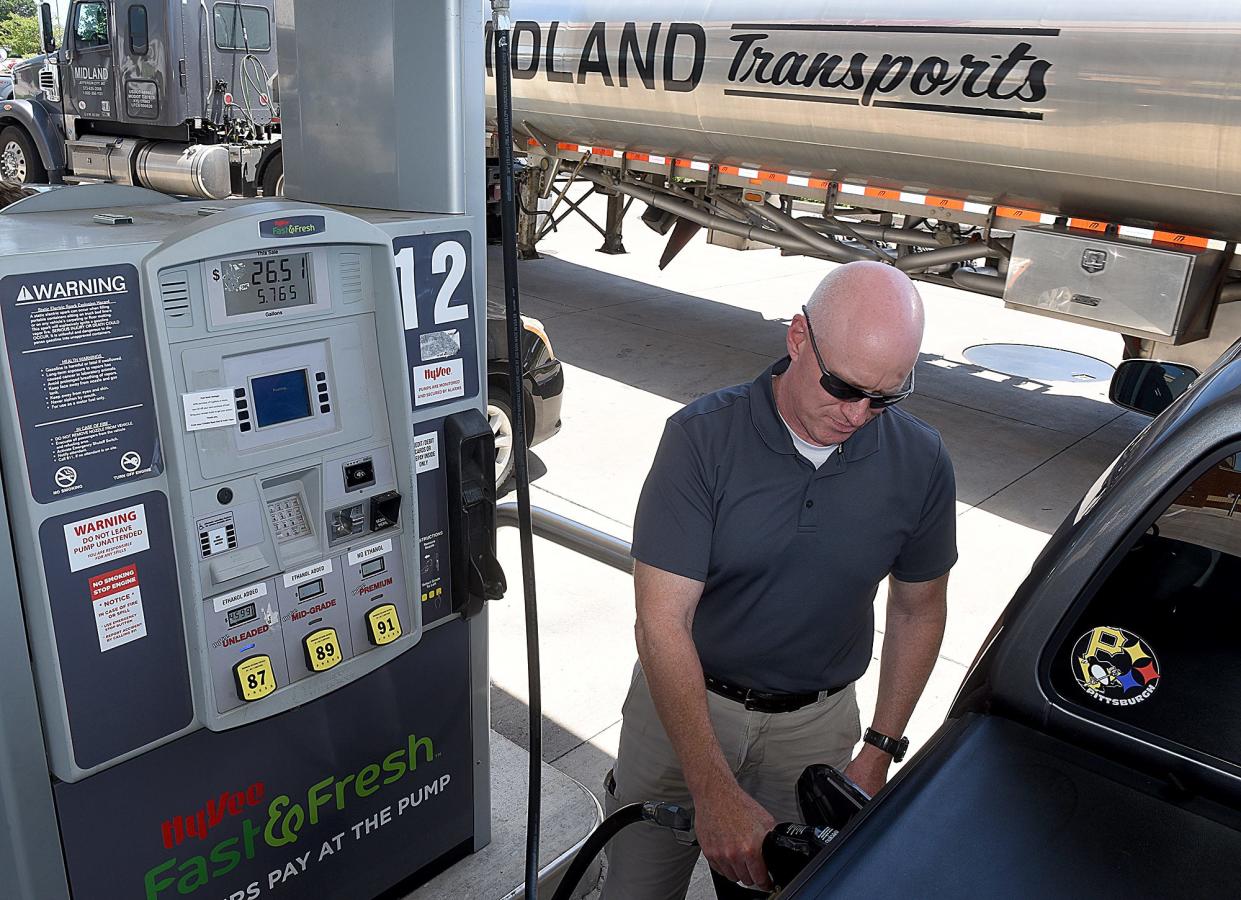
x=247 y=530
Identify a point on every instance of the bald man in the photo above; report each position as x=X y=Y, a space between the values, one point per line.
x=771 y=514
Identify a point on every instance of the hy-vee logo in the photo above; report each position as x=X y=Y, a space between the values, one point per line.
x=78 y=287
x=90 y=73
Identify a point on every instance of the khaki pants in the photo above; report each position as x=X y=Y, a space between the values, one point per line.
x=767 y=753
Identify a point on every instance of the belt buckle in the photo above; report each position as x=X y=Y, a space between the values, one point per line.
x=751 y=701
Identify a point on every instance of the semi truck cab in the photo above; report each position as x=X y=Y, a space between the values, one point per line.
x=177 y=97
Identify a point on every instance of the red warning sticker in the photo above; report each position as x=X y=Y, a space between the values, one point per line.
x=117 y=602
x=117 y=534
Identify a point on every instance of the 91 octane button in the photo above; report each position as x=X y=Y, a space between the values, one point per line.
x=322 y=649
x=383 y=626
x=254 y=677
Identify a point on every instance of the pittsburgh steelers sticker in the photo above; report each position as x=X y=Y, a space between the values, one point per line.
x=1115 y=666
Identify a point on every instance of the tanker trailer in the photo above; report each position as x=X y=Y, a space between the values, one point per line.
x=1081 y=161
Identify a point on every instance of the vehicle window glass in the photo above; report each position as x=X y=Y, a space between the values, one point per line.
x=90 y=28
x=138 y=30
x=245 y=28
x=1156 y=647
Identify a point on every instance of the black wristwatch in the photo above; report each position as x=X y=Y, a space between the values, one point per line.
x=892 y=746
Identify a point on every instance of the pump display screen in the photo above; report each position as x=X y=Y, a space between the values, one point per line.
x=279 y=398
x=265 y=283
x=240 y=614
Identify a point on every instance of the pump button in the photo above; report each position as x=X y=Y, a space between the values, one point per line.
x=322 y=649
x=383 y=625
x=254 y=677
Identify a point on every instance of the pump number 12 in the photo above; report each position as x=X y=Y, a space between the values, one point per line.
x=448 y=259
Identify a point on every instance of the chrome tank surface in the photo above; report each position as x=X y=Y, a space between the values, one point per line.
x=198 y=170
x=1127 y=111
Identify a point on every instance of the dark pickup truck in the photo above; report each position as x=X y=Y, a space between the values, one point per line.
x=1094 y=749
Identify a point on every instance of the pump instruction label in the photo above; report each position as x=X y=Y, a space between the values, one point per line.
x=78 y=360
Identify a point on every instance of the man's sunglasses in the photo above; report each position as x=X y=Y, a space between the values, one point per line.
x=842 y=390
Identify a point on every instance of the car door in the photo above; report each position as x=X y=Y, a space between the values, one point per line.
x=90 y=91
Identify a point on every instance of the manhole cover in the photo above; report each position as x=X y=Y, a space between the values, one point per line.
x=1045 y=364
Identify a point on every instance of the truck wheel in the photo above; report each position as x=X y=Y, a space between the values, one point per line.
x=273 y=177
x=19 y=160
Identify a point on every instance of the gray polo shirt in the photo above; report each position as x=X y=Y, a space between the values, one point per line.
x=791 y=556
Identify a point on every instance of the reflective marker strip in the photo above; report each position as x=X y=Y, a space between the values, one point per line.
x=1016 y=213
x=1185 y=240
x=1088 y=225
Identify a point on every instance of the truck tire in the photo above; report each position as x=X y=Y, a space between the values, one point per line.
x=273 y=177
x=19 y=159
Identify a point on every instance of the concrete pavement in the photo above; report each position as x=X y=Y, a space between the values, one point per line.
x=638 y=343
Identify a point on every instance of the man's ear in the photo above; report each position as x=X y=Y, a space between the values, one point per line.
x=795 y=339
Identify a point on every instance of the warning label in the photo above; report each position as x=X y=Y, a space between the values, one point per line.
x=78 y=360
x=106 y=537
x=117 y=602
x=439 y=381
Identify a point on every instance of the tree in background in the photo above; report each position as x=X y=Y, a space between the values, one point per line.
x=19 y=27
x=26 y=9
x=20 y=36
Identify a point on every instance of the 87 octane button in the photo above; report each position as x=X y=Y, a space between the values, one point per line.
x=254 y=677
x=322 y=649
x=383 y=626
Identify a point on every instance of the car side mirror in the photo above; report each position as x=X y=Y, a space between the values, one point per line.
x=45 y=28
x=1149 y=387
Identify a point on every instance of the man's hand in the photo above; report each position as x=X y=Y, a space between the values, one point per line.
x=731 y=826
x=869 y=769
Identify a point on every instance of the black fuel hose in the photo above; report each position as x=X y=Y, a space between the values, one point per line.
x=666 y=815
x=501 y=27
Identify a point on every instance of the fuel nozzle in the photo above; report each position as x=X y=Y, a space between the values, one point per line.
x=789 y=846
x=828 y=800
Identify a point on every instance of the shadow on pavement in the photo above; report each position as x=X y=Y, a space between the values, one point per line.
x=1000 y=429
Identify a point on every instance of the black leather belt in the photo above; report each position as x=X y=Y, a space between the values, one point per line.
x=765 y=701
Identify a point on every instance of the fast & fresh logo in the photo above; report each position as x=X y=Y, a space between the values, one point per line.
x=292 y=227
x=293 y=821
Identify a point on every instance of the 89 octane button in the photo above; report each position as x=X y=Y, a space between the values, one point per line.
x=383 y=626
x=255 y=678
x=322 y=649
